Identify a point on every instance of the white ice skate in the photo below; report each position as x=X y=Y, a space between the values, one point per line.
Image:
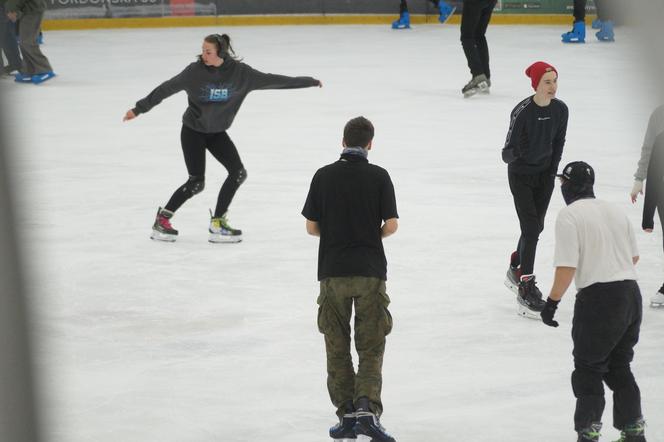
x=657 y=300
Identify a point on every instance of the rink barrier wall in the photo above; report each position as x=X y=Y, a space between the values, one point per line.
x=297 y=19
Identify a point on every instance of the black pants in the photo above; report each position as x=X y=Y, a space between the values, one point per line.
x=580 y=10
x=403 y=6
x=194 y=145
x=474 y=22
x=531 y=194
x=607 y=320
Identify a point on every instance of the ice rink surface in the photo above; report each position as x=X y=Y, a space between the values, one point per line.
x=141 y=341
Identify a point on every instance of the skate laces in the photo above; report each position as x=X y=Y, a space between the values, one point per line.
x=164 y=222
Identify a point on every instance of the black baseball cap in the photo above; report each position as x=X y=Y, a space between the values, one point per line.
x=578 y=172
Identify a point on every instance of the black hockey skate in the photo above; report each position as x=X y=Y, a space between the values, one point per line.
x=590 y=434
x=657 y=300
x=513 y=275
x=368 y=423
x=162 y=229
x=345 y=429
x=529 y=298
x=634 y=432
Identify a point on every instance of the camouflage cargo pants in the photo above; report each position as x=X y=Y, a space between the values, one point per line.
x=372 y=323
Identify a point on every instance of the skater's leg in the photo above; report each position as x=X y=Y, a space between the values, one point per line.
x=470 y=19
x=522 y=187
x=193 y=149
x=579 y=10
x=403 y=7
x=372 y=323
x=222 y=148
x=480 y=36
x=334 y=313
x=620 y=379
x=35 y=61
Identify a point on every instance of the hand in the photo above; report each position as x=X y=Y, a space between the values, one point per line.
x=130 y=115
x=12 y=16
x=548 y=312
x=647 y=230
x=320 y=83
x=636 y=189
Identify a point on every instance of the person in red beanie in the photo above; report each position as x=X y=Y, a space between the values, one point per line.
x=533 y=149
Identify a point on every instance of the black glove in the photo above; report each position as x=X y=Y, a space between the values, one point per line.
x=548 y=312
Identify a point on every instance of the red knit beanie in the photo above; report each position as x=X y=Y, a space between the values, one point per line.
x=536 y=70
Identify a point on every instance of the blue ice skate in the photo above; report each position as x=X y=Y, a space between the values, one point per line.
x=403 y=22
x=40 y=78
x=577 y=34
x=596 y=24
x=446 y=11
x=606 y=32
x=22 y=78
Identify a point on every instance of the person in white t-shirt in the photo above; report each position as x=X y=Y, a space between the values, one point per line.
x=596 y=246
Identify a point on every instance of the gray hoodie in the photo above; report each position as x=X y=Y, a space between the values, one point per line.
x=655 y=127
x=216 y=93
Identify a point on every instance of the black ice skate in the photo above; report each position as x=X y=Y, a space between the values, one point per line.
x=368 y=423
x=657 y=300
x=479 y=83
x=529 y=298
x=634 y=432
x=345 y=429
x=162 y=229
x=513 y=275
x=590 y=434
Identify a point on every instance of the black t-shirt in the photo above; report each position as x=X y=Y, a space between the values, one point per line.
x=350 y=199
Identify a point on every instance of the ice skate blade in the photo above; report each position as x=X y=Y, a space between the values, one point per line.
x=525 y=312
x=159 y=236
x=656 y=304
x=347 y=439
x=224 y=239
x=363 y=438
x=513 y=288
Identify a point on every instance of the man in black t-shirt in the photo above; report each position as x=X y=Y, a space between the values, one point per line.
x=347 y=203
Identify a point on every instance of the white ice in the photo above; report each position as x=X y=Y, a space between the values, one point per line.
x=143 y=341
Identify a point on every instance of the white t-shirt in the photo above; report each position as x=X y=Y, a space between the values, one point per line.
x=597 y=239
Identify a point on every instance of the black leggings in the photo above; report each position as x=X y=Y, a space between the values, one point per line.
x=580 y=10
x=222 y=148
x=474 y=22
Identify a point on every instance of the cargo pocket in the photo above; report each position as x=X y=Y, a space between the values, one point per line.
x=387 y=316
x=321 y=321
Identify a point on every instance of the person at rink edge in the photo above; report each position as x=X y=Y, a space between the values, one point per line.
x=216 y=85
x=595 y=245
x=533 y=148
x=351 y=206
x=403 y=22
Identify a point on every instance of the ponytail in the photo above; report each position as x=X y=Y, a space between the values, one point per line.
x=223 y=45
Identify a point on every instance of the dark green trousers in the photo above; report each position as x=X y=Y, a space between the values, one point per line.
x=372 y=323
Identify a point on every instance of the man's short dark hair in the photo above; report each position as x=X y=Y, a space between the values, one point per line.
x=358 y=132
